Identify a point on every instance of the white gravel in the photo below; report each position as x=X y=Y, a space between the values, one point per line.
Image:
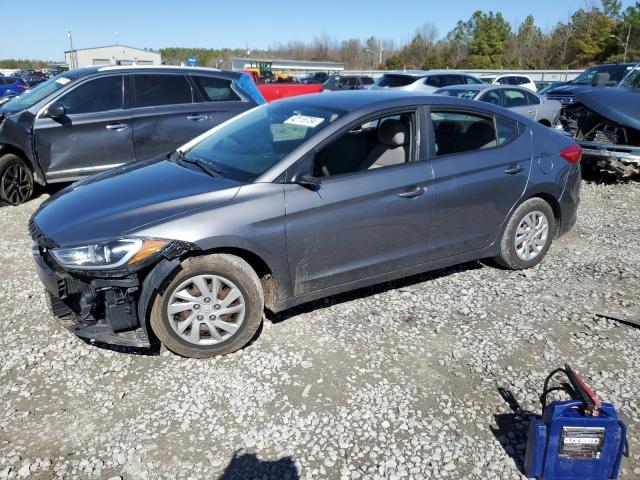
x=397 y=381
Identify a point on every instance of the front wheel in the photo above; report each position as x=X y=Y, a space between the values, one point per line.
x=528 y=235
x=16 y=180
x=213 y=306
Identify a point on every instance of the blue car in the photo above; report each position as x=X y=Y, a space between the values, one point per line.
x=296 y=200
x=12 y=86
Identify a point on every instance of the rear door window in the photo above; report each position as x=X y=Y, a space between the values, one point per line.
x=396 y=80
x=215 y=89
x=514 y=98
x=99 y=95
x=533 y=99
x=154 y=90
x=457 y=132
x=492 y=97
x=434 y=81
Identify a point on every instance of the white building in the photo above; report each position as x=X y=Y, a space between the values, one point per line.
x=111 y=55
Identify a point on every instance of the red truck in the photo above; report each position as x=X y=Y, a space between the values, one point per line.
x=276 y=91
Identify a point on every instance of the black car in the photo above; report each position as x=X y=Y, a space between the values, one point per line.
x=92 y=119
x=347 y=82
x=608 y=75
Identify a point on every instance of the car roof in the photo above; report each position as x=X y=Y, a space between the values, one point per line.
x=477 y=86
x=424 y=73
x=366 y=101
x=80 y=72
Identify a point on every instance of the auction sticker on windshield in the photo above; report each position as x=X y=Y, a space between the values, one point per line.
x=63 y=80
x=304 y=121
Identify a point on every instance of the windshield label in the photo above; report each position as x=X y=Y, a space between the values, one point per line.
x=304 y=121
x=63 y=80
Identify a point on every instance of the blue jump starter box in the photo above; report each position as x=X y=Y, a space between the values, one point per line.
x=578 y=439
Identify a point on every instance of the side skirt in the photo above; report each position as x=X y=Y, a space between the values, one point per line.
x=385 y=277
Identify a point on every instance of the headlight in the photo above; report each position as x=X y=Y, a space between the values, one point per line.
x=107 y=255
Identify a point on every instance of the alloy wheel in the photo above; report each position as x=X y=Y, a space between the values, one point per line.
x=206 y=309
x=16 y=184
x=532 y=235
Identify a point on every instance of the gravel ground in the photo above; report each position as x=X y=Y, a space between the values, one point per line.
x=397 y=381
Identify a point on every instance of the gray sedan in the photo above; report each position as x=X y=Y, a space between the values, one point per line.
x=296 y=200
x=519 y=100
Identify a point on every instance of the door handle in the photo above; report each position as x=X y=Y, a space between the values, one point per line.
x=513 y=170
x=117 y=126
x=412 y=192
x=196 y=118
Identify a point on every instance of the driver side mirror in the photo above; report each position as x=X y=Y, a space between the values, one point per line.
x=55 y=111
x=306 y=180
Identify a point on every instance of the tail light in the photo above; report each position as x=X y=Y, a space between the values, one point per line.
x=572 y=154
x=20 y=85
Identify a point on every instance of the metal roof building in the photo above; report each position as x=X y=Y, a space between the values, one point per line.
x=111 y=55
x=293 y=66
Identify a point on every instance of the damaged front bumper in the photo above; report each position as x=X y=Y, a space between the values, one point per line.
x=100 y=309
x=621 y=160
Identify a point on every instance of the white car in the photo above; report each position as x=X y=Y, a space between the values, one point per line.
x=424 y=81
x=511 y=79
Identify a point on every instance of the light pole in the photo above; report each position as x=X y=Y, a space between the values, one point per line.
x=376 y=52
x=71 y=57
x=624 y=44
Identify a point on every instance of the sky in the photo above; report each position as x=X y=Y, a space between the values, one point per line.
x=37 y=29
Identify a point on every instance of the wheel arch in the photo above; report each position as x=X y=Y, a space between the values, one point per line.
x=553 y=203
x=545 y=122
x=7 y=148
x=257 y=263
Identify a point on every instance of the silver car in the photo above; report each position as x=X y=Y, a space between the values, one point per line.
x=423 y=81
x=520 y=100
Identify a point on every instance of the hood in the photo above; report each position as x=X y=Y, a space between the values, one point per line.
x=569 y=90
x=620 y=105
x=113 y=204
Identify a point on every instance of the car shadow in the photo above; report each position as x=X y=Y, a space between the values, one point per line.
x=512 y=429
x=248 y=465
x=371 y=290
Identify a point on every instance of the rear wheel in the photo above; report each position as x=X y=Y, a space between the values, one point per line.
x=16 y=180
x=528 y=235
x=213 y=306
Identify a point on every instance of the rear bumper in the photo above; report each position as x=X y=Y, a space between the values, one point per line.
x=103 y=310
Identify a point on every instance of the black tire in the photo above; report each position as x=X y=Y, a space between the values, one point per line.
x=16 y=180
x=229 y=267
x=508 y=257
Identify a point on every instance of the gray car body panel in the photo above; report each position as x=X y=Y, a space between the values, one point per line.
x=354 y=231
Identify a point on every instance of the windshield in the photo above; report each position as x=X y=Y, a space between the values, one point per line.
x=252 y=143
x=633 y=79
x=29 y=98
x=588 y=77
x=454 y=92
